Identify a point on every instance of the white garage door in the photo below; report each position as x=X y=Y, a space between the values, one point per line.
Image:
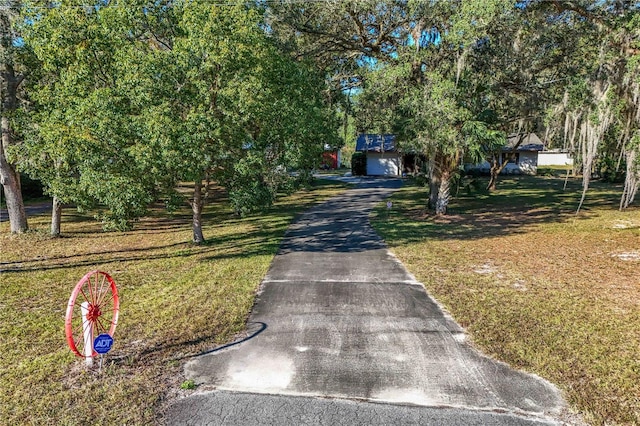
x=383 y=165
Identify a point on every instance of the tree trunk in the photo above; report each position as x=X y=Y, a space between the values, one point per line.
x=632 y=180
x=196 y=207
x=56 y=217
x=440 y=183
x=10 y=180
x=497 y=168
x=494 y=172
x=9 y=176
x=444 y=193
x=434 y=183
x=434 y=187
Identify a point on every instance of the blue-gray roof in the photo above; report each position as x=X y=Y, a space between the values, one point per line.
x=376 y=143
x=531 y=142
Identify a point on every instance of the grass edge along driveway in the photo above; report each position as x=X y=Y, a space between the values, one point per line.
x=536 y=286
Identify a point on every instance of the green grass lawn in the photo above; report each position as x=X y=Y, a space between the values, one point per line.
x=535 y=285
x=177 y=300
x=334 y=172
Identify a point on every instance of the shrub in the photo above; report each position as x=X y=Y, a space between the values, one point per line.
x=608 y=170
x=359 y=164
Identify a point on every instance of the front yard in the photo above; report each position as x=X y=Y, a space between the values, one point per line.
x=176 y=300
x=536 y=286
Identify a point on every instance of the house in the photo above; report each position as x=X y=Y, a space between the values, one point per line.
x=523 y=161
x=383 y=158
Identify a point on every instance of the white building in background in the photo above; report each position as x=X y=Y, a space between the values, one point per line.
x=529 y=155
x=383 y=157
x=554 y=158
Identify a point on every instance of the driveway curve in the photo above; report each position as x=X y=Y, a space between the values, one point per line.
x=350 y=337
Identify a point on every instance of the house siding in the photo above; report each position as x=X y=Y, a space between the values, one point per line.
x=383 y=164
x=527 y=164
x=549 y=158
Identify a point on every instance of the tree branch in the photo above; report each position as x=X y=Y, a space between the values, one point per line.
x=563 y=6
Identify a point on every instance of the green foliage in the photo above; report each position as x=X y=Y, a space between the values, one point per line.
x=480 y=140
x=471 y=74
x=84 y=140
x=253 y=186
x=471 y=20
x=421 y=180
x=239 y=110
x=136 y=97
x=250 y=196
x=609 y=170
x=188 y=385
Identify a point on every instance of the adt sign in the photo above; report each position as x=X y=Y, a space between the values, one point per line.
x=102 y=344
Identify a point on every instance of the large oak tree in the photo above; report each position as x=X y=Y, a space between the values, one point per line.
x=12 y=74
x=136 y=97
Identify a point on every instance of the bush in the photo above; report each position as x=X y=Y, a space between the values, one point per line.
x=546 y=172
x=606 y=169
x=304 y=180
x=359 y=164
x=421 y=179
x=250 y=196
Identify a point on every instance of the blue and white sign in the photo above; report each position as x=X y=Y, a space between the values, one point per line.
x=102 y=344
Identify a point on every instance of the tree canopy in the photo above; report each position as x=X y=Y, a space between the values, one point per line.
x=112 y=103
x=135 y=98
x=453 y=78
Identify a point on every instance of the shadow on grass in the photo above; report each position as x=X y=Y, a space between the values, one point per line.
x=242 y=244
x=19 y=265
x=265 y=232
x=519 y=204
x=341 y=225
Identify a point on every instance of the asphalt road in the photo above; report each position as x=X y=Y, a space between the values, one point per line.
x=346 y=336
x=31 y=210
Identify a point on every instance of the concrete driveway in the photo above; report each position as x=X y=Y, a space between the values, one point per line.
x=345 y=335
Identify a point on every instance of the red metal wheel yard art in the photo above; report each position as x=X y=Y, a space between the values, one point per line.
x=92 y=310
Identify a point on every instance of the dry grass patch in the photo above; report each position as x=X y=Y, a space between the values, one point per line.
x=537 y=286
x=177 y=300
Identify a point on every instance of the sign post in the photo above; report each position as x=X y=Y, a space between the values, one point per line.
x=102 y=344
x=87 y=335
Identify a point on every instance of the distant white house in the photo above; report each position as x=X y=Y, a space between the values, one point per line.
x=383 y=158
x=554 y=158
x=528 y=156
